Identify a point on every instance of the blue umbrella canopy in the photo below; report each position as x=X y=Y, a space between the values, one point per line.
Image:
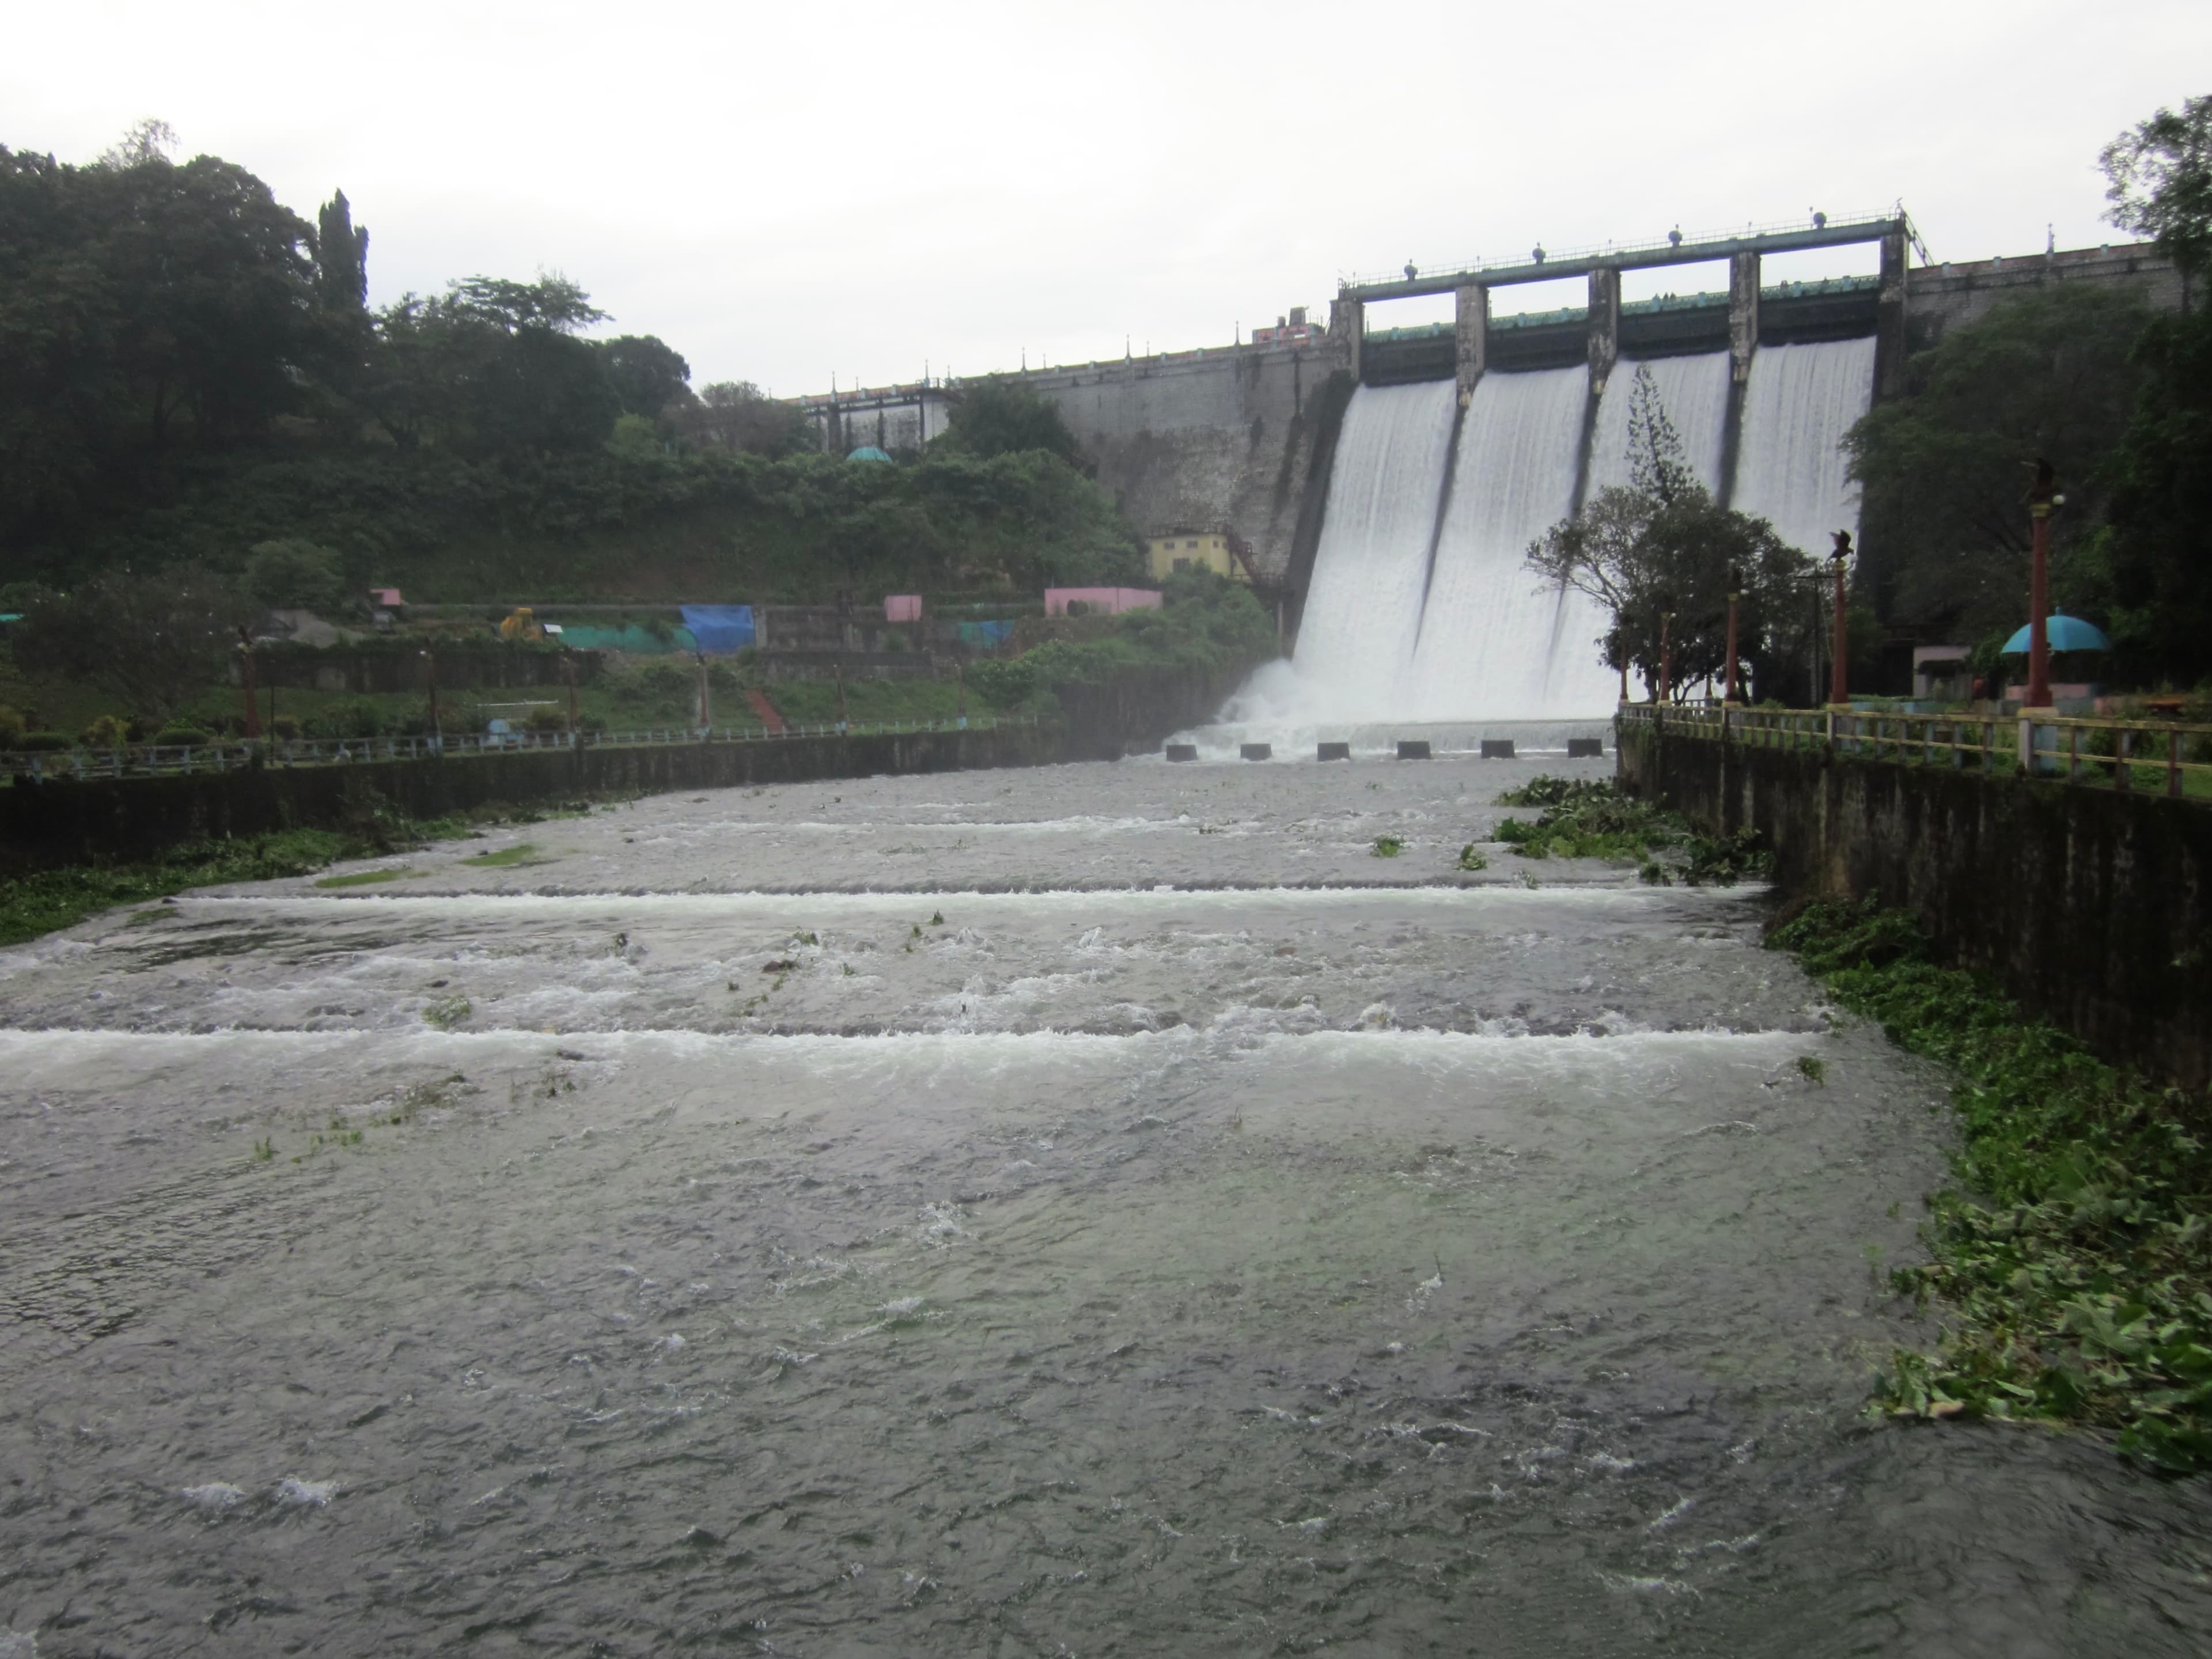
x=2066 y=634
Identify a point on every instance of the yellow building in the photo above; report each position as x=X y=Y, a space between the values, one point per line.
x=1188 y=550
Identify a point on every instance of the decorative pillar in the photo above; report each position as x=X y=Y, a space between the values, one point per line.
x=1604 y=325
x=1743 y=313
x=1472 y=333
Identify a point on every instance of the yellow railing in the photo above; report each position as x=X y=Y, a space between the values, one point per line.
x=2157 y=755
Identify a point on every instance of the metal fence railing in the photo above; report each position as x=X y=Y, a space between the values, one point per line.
x=2155 y=755
x=154 y=760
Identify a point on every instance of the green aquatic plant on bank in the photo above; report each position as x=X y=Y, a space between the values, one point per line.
x=1386 y=846
x=1590 y=818
x=40 y=901
x=2073 y=1257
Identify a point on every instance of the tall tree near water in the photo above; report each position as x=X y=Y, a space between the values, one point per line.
x=1662 y=547
x=2158 y=553
x=2049 y=373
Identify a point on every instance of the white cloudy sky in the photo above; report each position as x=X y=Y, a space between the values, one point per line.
x=789 y=191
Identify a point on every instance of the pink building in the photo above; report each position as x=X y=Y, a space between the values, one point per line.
x=1100 y=601
x=903 y=608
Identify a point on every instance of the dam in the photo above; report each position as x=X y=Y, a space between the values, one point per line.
x=1496 y=424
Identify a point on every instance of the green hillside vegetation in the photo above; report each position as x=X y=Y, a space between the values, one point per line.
x=189 y=370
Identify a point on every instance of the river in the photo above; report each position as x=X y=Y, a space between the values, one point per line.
x=1088 y=1209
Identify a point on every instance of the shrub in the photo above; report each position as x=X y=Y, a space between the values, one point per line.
x=284 y=726
x=41 y=742
x=108 y=731
x=180 y=737
x=353 y=718
x=1004 y=684
x=11 y=726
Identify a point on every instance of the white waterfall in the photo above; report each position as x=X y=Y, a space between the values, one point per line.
x=1363 y=611
x=1497 y=641
x=1391 y=636
x=1694 y=392
x=1790 y=464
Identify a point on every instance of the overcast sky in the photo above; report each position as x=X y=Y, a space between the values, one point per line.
x=786 y=193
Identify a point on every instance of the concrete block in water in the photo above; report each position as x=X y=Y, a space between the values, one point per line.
x=1584 y=748
x=1498 y=749
x=1413 y=749
x=1182 y=751
x=1334 y=751
x=1256 y=750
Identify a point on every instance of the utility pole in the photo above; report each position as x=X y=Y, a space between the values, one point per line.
x=1666 y=654
x=568 y=667
x=960 y=680
x=2042 y=496
x=431 y=666
x=705 y=711
x=840 y=667
x=246 y=667
x=1735 y=593
x=1839 y=651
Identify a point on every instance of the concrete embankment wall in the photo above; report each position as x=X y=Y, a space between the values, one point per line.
x=64 y=822
x=1226 y=436
x=2094 y=909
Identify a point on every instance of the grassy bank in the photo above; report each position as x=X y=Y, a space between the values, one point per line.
x=2072 y=1257
x=44 y=901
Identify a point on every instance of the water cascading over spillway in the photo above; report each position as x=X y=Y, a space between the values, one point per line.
x=1363 y=613
x=1694 y=392
x=1497 y=642
x=1791 y=465
x=1422 y=606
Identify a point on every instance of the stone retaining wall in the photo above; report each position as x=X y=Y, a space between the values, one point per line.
x=2094 y=909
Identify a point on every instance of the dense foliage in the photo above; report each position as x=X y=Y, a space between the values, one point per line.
x=2050 y=374
x=2074 y=1258
x=1661 y=557
x=2119 y=402
x=190 y=372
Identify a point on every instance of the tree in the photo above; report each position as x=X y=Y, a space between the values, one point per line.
x=2160 y=182
x=737 y=415
x=150 y=139
x=1944 y=507
x=1662 y=547
x=151 y=640
x=2156 y=556
x=341 y=255
x=292 y=574
x=1001 y=417
x=646 y=375
x=491 y=367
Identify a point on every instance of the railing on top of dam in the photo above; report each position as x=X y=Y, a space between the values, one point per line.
x=2147 y=756
x=154 y=760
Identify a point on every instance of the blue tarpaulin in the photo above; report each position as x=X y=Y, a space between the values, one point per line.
x=984 y=635
x=720 y=629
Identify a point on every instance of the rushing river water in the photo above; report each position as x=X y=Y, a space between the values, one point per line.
x=1093 y=1210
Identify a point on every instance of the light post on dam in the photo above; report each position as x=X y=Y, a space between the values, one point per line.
x=2042 y=496
x=1839 y=666
x=1735 y=593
